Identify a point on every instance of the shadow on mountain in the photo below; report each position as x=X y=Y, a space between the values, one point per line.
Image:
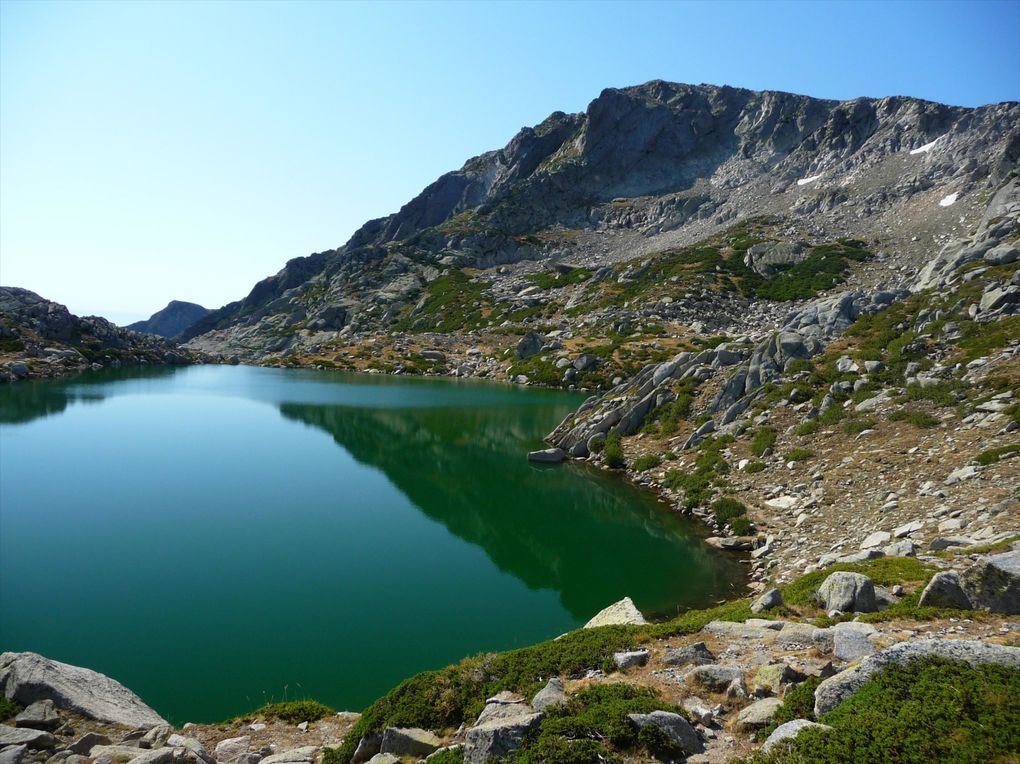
x=586 y=535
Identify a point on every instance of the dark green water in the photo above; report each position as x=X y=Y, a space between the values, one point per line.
x=221 y=537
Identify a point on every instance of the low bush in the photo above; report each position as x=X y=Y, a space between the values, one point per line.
x=294 y=711
x=810 y=427
x=727 y=509
x=742 y=526
x=857 y=426
x=646 y=462
x=992 y=455
x=763 y=439
x=612 y=452
x=926 y=711
x=799 y=455
x=920 y=419
x=9 y=709
x=754 y=467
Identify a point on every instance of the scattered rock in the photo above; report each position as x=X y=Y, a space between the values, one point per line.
x=715 y=678
x=41 y=715
x=547 y=456
x=409 y=741
x=993 y=583
x=789 y=731
x=679 y=730
x=759 y=714
x=944 y=590
x=232 y=747
x=698 y=654
x=500 y=732
x=770 y=599
x=30 y=737
x=619 y=613
x=630 y=658
x=550 y=695
x=848 y=592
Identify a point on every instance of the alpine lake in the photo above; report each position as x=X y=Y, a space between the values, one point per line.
x=220 y=537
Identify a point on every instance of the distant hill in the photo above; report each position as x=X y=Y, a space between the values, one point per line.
x=172 y=320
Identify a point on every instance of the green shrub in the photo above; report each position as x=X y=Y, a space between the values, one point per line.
x=763 y=439
x=798 y=703
x=856 y=426
x=9 y=709
x=754 y=467
x=832 y=415
x=741 y=526
x=597 y=445
x=294 y=711
x=940 y=393
x=930 y=710
x=726 y=509
x=826 y=266
x=917 y=418
x=810 y=427
x=799 y=455
x=448 y=756
x=613 y=452
x=991 y=456
x=646 y=462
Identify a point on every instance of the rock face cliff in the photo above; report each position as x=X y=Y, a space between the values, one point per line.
x=172 y=320
x=643 y=171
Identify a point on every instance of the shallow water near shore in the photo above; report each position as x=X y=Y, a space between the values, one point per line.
x=221 y=537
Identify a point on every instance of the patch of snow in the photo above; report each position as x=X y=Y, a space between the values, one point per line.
x=948 y=200
x=805 y=181
x=925 y=148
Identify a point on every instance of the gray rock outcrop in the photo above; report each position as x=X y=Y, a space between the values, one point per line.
x=944 y=590
x=678 y=730
x=789 y=731
x=619 y=613
x=28 y=677
x=993 y=583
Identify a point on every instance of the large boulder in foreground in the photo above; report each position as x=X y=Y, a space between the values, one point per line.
x=624 y=612
x=848 y=593
x=500 y=730
x=677 y=729
x=993 y=583
x=789 y=731
x=836 y=689
x=28 y=677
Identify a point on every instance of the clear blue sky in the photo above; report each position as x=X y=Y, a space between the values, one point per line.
x=153 y=151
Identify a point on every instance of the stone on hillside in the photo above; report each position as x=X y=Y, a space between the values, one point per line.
x=87 y=742
x=409 y=741
x=435 y=356
x=875 y=539
x=303 y=755
x=715 y=678
x=28 y=677
x=547 y=456
x=368 y=747
x=619 y=613
x=944 y=590
x=41 y=715
x=963 y=473
x=993 y=583
x=499 y=733
x=13 y=754
x=530 y=344
x=699 y=711
x=678 y=729
x=384 y=758
x=848 y=593
x=770 y=599
x=698 y=654
x=116 y=752
x=630 y=658
x=156 y=756
x=232 y=746
x=907 y=529
x=789 y=731
x=31 y=738
x=771 y=678
x=193 y=745
x=806 y=635
x=585 y=361
x=904 y=548
x=735 y=630
x=759 y=714
x=851 y=645
x=550 y=695
x=834 y=690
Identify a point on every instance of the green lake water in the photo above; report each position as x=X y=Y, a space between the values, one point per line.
x=220 y=537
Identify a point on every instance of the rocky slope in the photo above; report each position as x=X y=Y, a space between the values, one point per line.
x=40 y=338
x=561 y=224
x=175 y=318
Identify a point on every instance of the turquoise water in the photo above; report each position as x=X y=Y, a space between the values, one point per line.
x=219 y=537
